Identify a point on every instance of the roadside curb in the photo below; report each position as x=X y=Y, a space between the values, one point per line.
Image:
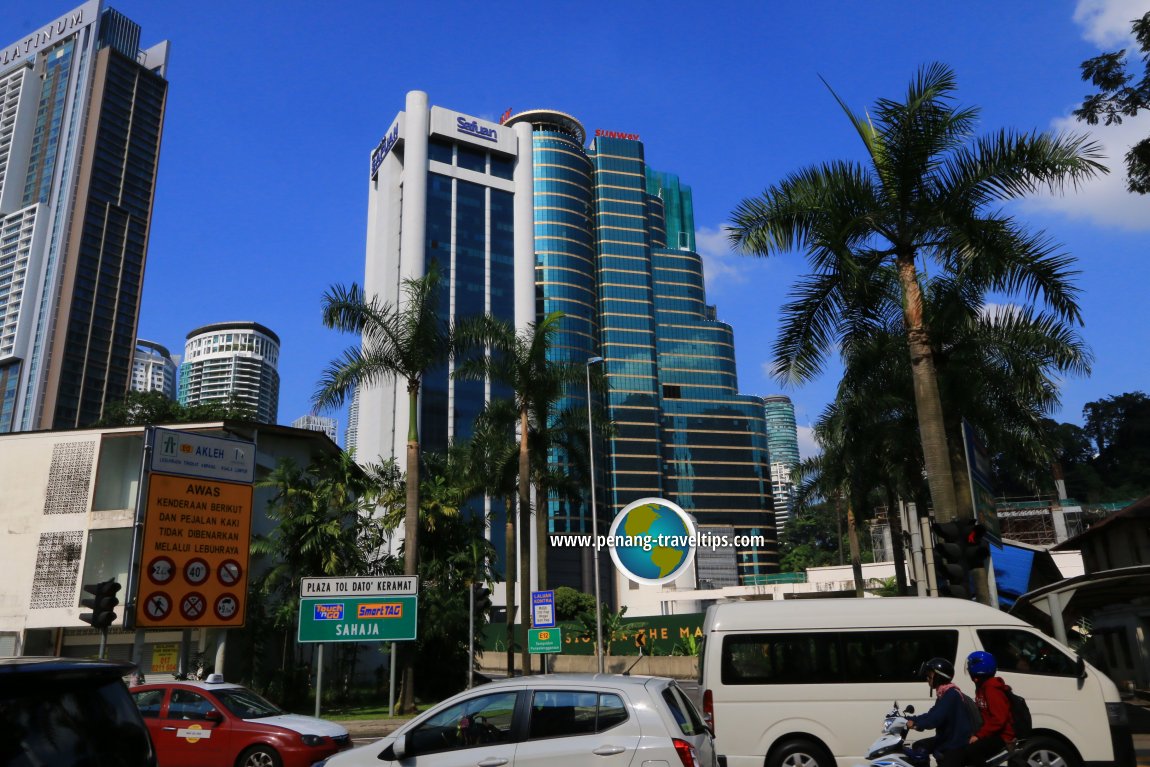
x=372 y=728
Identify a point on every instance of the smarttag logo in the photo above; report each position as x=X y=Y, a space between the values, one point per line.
x=383 y=610
x=473 y=128
x=329 y=612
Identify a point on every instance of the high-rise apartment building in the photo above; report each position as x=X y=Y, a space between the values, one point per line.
x=154 y=369
x=525 y=219
x=81 y=114
x=316 y=423
x=232 y=362
x=783 y=445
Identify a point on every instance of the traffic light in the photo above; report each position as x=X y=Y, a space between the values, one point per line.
x=481 y=598
x=977 y=549
x=102 y=603
x=951 y=558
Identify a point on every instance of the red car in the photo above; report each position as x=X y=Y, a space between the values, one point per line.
x=216 y=724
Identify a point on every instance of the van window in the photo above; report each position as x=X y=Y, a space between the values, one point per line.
x=833 y=657
x=1026 y=653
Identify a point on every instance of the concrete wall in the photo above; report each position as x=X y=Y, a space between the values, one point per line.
x=674 y=666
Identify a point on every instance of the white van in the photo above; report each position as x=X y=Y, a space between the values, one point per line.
x=806 y=682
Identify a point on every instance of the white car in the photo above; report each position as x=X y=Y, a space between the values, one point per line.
x=557 y=720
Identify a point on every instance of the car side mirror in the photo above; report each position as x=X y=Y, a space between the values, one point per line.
x=1080 y=668
x=212 y=715
x=400 y=748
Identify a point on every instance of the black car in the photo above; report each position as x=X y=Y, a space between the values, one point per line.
x=69 y=711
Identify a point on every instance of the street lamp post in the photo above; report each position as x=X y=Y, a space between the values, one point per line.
x=594 y=519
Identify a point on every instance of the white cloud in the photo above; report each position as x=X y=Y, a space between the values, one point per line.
x=720 y=262
x=1103 y=200
x=995 y=311
x=808 y=446
x=1106 y=23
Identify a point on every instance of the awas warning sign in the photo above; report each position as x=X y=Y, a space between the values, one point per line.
x=194 y=563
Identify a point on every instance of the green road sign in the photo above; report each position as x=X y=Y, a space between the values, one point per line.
x=357 y=619
x=545 y=640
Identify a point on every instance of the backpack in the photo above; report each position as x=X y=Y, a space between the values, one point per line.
x=1020 y=714
x=973 y=715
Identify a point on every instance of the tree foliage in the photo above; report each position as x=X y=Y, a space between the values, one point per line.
x=155 y=408
x=571 y=604
x=1122 y=91
x=930 y=192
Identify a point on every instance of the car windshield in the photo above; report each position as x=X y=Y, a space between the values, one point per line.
x=245 y=704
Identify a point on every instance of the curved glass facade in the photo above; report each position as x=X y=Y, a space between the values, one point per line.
x=565 y=282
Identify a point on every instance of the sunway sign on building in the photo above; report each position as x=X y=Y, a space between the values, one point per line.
x=615 y=134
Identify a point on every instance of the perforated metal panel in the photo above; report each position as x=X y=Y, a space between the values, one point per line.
x=69 y=477
x=57 y=568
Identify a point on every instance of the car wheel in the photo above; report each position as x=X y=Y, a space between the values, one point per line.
x=1048 y=752
x=800 y=753
x=260 y=756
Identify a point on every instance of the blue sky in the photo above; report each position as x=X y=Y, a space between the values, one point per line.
x=274 y=108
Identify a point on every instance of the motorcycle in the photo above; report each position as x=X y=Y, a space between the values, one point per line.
x=892 y=750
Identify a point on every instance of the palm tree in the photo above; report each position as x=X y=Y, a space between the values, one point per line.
x=999 y=369
x=931 y=191
x=523 y=362
x=398 y=341
x=494 y=464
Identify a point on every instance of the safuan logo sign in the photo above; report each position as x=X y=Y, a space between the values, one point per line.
x=473 y=128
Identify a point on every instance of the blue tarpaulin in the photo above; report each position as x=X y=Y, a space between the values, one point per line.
x=1019 y=568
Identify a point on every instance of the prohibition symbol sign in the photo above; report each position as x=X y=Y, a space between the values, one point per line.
x=161 y=570
x=157 y=605
x=193 y=605
x=196 y=571
x=226 y=607
x=229 y=572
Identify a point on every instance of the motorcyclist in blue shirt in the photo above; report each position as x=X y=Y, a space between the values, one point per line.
x=947 y=716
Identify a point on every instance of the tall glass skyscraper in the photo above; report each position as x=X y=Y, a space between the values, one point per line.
x=81 y=113
x=525 y=220
x=682 y=430
x=783 y=444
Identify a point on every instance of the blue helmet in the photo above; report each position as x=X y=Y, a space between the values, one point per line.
x=980 y=663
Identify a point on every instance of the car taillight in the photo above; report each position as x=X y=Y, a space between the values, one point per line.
x=709 y=709
x=686 y=753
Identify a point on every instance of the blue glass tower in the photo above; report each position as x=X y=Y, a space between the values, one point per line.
x=783 y=444
x=682 y=430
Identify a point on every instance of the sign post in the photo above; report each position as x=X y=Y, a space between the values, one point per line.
x=192 y=567
x=545 y=640
x=356 y=609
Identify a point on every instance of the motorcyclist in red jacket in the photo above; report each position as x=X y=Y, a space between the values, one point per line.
x=997 y=730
